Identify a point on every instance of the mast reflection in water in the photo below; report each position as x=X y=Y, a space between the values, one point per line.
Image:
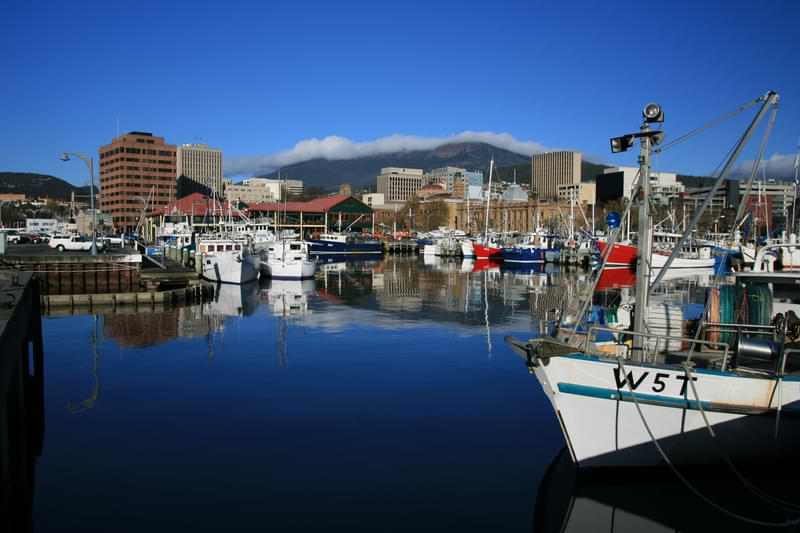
x=364 y=399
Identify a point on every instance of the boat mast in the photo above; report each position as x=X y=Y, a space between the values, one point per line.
x=645 y=243
x=488 y=201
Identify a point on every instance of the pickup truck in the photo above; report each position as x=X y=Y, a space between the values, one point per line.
x=72 y=243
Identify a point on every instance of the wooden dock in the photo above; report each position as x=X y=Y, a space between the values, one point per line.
x=401 y=247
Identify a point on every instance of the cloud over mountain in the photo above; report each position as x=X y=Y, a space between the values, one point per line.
x=340 y=148
x=778 y=166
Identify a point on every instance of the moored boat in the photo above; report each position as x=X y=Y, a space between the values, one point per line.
x=631 y=396
x=336 y=243
x=227 y=261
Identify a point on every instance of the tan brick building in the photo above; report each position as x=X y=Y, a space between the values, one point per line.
x=136 y=165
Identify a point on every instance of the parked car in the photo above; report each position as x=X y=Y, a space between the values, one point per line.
x=72 y=243
x=111 y=241
x=15 y=237
x=34 y=238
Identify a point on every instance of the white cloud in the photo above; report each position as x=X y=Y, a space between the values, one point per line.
x=337 y=148
x=778 y=166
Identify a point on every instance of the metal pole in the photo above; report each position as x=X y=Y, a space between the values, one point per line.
x=771 y=98
x=94 y=212
x=643 y=236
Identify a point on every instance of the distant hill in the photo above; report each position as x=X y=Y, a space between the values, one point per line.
x=361 y=172
x=695 y=181
x=39 y=185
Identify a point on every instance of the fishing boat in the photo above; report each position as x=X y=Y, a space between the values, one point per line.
x=626 y=255
x=227 y=260
x=338 y=243
x=629 y=396
x=287 y=259
x=487 y=247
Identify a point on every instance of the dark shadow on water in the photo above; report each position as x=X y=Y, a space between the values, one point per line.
x=654 y=499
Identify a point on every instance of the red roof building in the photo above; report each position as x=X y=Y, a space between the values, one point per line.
x=338 y=212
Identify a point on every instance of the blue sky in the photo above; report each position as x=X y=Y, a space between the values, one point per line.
x=256 y=78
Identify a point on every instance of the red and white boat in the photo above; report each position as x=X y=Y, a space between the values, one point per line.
x=625 y=255
x=488 y=251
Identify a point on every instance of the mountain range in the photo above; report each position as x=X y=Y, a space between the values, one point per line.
x=35 y=185
x=326 y=175
x=361 y=172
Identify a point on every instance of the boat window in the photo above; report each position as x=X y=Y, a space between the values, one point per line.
x=238 y=247
x=295 y=247
x=228 y=247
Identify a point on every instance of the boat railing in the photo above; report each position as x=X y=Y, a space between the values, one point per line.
x=658 y=339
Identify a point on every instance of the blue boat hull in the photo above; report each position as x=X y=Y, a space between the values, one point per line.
x=523 y=255
x=320 y=247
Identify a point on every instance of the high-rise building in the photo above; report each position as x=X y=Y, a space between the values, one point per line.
x=201 y=164
x=399 y=184
x=136 y=168
x=553 y=169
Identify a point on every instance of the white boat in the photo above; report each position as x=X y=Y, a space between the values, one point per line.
x=227 y=261
x=432 y=249
x=467 y=249
x=287 y=260
x=628 y=398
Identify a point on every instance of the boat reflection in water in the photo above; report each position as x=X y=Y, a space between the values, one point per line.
x=654 y=500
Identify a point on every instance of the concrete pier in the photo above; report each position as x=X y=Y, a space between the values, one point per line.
x=21 y=397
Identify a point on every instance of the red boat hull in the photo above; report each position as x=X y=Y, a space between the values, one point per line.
x=488 y=252
x=621 y=254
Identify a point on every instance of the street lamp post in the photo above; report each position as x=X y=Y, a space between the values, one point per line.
x=90 y=165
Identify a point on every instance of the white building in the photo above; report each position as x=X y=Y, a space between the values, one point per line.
x=201 y=164
x=253 y=191
x=373 y=199
x=399 y=184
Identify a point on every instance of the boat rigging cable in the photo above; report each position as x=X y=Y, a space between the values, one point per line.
x=788 y=506
x=770 y=99
x=603 y=259
x=785 y=524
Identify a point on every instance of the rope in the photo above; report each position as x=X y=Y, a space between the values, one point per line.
x=720 y=119
x=772 y=500
x=788 y=523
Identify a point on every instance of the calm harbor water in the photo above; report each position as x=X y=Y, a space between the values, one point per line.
x=378 y=397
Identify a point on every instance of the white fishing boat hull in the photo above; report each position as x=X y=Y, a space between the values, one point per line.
x=602 y=426
x=227 y=267
x=290 y=270
x=658 y=261
x=431 y=249
x=288 y=260
x=466 y=249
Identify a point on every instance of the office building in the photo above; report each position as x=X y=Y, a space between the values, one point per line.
x=137 y=168
x=617 y=182
x=579 y=193
x=202 y=165
x=253 y=191
x=399 y=184
x=552 y=169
